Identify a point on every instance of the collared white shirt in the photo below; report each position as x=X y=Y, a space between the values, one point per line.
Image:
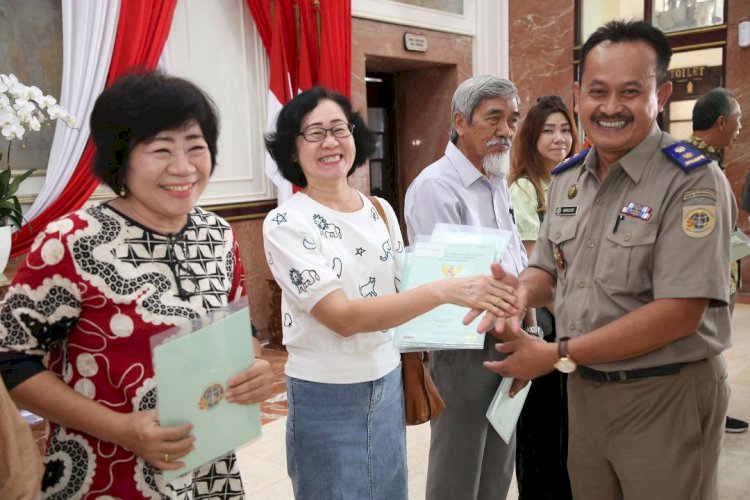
x=454 y=191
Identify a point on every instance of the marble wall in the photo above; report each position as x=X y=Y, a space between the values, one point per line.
x=738 y=79
x=541 y=49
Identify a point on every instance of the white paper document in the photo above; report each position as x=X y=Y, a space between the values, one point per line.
x=504 y=410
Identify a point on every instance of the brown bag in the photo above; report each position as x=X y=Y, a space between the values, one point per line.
x=422 y=400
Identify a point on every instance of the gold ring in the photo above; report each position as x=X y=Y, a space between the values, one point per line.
x=166 y=457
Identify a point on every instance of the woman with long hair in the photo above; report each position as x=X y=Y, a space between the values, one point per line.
x=547 y=136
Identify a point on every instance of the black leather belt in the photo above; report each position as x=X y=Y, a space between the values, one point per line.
x=622 y=375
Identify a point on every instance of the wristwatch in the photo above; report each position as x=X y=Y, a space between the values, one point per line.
x=537 y=331
x=565 y=363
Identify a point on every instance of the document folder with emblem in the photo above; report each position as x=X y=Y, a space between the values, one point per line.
x=192 y=365
x=450 y=252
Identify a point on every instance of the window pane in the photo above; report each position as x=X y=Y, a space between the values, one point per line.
x=594 y=13
x=681 y=130
x=681 y=110
x=678 y=15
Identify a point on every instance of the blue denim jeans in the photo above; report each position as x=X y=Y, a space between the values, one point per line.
x=347 y=441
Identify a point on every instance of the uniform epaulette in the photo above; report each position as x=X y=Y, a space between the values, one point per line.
x=570 y=162
x=686 y=156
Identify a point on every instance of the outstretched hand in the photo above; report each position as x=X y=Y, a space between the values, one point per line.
x=511 y=311
x=528 y=358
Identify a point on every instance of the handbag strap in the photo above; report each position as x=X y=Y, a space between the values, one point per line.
x=376 y=203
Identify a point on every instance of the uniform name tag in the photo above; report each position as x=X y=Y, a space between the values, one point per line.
x=566 y=210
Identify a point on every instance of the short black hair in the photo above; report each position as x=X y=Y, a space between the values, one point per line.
x=631 y=31
x=710 y=106
x=282 y=145
x=137 y=107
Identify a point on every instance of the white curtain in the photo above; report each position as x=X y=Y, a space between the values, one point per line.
x=89 y=31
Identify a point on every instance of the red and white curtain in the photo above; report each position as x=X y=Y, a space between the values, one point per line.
x=294 y=66
x=95 y=54
x=142 y=29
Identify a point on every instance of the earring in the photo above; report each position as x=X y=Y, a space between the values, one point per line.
x=123 y=191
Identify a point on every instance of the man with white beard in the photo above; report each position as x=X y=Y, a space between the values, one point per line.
x=468 y=459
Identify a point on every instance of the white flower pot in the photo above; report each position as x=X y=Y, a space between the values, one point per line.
x=4 y=246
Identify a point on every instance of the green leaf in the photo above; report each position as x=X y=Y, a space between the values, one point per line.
x=16 y=183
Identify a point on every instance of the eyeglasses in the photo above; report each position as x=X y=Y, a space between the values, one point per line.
x=317 y=134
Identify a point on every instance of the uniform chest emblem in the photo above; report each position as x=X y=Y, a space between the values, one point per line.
x=572 y=191
x=637 y=210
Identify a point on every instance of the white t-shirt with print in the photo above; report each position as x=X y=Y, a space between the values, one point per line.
x=313 y=250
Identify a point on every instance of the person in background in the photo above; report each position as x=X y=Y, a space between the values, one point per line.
x=547 y=136
x=467 y=457
x=635 y=251
x=98 y=283
x=338 y=264
x=716 y=124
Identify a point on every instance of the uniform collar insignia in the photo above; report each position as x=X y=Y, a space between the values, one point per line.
x=686 y=156
x=570 y=162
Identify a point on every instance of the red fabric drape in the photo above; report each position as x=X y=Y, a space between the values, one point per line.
x=142 y=30
x=335 y=67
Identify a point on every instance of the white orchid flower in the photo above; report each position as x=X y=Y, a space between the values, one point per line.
x=11 y=131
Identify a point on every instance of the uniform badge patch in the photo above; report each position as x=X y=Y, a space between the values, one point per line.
x=698 y=221
x=685 y=156
x=572 y=191
x=637 y=210
x=699 y=193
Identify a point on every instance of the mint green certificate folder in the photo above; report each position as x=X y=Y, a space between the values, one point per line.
x=442 y=327
x=192 y=367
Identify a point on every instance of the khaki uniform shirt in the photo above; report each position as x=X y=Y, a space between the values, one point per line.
x=675 y=245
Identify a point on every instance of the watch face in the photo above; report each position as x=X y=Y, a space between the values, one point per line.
x=565 y=365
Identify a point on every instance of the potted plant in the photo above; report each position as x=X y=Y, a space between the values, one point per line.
x=22 y=109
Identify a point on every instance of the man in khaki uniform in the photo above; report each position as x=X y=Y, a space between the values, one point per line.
x=635 y=250
x=717 y=121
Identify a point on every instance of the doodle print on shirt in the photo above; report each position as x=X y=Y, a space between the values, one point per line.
x=359 y=251
x=309 y=244
x=368 y=289
x=303 y=279
x=287 y=320
x=387 y=251
x=337 y=266
x=280 y=218
x=327 y=229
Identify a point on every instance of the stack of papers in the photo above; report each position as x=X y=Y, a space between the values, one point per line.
x=450 y=252
x=192 y=367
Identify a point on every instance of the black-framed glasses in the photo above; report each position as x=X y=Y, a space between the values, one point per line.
x=317 y=134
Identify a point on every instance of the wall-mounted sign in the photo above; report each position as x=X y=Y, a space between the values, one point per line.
x=692 y=72
x=417 y=43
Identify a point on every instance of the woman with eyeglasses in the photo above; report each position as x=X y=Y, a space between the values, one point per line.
x=338 y=264
x=76 y=323
x=546 y=137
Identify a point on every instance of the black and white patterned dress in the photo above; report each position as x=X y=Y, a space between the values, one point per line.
x=93 y=290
